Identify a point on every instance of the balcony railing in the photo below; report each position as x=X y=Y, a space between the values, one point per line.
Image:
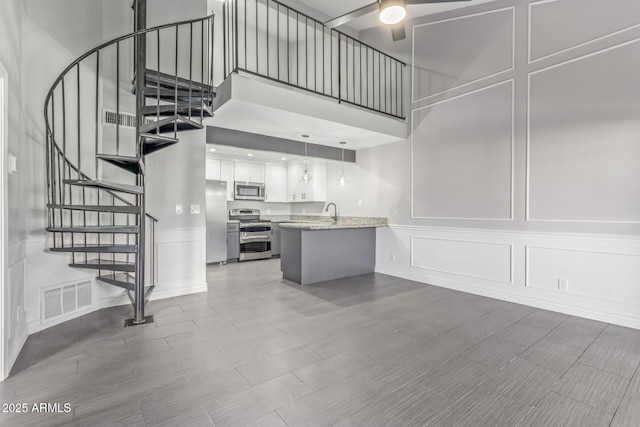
x=271 y=40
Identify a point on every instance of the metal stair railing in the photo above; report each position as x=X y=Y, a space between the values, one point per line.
x=79 y=143
x=271 y=40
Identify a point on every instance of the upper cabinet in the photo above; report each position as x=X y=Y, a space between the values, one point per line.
x=313 y=191
x=223 y=171
x=249 y=172
x=275 y=182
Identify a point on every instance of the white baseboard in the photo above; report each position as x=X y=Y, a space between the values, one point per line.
x=15 y=350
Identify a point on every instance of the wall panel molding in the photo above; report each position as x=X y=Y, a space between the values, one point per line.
x=585 y=116
x=571 y=46
x=510 y=120
x=493 y=73
x=500 y=254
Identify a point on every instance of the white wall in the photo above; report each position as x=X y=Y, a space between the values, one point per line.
x=13 y=281
x=519 y=170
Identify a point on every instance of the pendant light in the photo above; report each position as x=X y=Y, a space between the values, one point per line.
x=306 y=177
x=392 y=11
x=342 y=181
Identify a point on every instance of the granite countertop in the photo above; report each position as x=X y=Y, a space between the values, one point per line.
x=233 y=221
x=326 y=223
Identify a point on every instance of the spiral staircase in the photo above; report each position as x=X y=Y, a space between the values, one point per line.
x=106 y=112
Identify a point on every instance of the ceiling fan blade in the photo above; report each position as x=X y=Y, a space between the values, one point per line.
x=431 y=1
x=336 y=22
x=398 y=32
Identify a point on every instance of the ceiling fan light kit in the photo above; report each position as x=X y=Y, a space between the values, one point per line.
x=392 y=11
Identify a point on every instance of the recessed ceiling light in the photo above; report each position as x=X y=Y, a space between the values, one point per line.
x=213 y=150
x=283 y=158
x=250 y=154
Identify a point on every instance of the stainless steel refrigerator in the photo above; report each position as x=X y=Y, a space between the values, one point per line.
x=216 y=221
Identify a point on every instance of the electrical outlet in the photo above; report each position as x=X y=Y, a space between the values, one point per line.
x=178 y=209
x=359 y=202
x=392 y=257
x=18 y=315
x=195 y=209
x=563 y=284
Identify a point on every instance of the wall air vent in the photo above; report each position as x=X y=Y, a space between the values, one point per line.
x=65 y=299
x=126 y=120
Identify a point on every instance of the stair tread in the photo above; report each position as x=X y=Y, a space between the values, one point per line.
x=99 y=208
x=186 y=110
x=114 y=229
x=103 y=264
x=169 y=80
x=107 y=185
x=129 y=163
x=97 y=248
x=123 y=280
x=167 y=124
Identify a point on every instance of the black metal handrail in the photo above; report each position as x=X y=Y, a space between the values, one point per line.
x=271 y=40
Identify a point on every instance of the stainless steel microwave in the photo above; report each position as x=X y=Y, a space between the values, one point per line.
x=249 y=191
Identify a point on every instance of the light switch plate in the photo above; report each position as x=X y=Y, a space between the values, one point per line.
x=12 y=164
x=179 y=209
x=194 y=209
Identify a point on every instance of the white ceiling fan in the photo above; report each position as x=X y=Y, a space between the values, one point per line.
x=390 y=12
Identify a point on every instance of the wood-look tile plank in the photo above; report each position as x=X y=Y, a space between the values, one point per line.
x=126 y=415
x=277 y=365
x=455 y=378
x=550 y=355
x=247 y=406
x=494 y=352
x=482 y=408
x=557 y=410
x=628 y=413
x=521 y=381
x=611 y=357
x=412 y=405
x=592 y=386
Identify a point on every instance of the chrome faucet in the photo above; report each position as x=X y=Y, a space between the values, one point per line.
x=335 y=211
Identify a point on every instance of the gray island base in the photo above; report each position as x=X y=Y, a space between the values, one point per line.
x=317 y=255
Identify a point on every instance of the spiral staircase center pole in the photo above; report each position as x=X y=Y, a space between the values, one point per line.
x=140 y=11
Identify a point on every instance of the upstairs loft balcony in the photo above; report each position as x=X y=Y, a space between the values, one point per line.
x=282 y=65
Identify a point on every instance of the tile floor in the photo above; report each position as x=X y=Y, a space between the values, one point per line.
x=372 y=350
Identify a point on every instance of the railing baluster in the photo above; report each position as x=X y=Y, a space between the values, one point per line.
x=202 y=64
x=78 y=114
x=158 y=70
x=268 y=37
x=97 y=139
x=118 y=97
x=257 y=59
x=190 y=66
x=288 y=54
x=278 y=38
x=175 y=92
x=246 y=66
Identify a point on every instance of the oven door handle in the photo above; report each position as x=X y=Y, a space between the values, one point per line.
x=252 y=237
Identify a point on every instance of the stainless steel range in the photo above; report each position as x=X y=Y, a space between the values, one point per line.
x=255 y=234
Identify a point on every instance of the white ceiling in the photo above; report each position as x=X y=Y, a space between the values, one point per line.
x=335 y=8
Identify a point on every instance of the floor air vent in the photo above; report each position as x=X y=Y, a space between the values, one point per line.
x=65 y=299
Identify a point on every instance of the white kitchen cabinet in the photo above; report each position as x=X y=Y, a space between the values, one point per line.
x=249 y=172
x=275 y=182
x=226 y=174
x=213 y=169
x=314 y=191
x=222 y=170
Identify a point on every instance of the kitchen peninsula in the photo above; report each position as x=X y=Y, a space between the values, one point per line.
x=320 y=250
